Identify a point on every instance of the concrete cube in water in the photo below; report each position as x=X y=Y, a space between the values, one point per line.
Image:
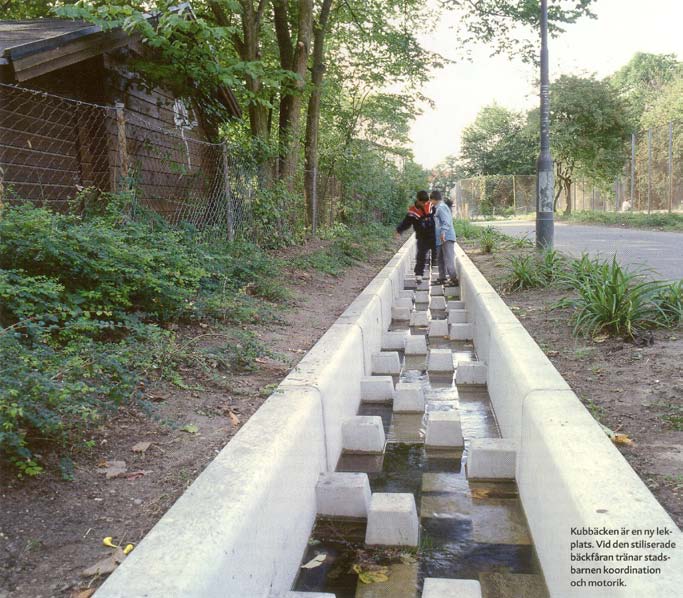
x=400 y=314
x=422 y=297
x=440 y=360
x=392 y=520
x=343 y=494
x=444 y=430
x=386 y=362
x=406 y=294
x=423 y=286
x=363 y=434
x=452 y=291
x=438 y=328
x=458 y=316
x=409 y=398
x=416 y=344
x=419 y=319
x=451 y=588
x=376 y=389
x=403 y=302
x=471 y=372
x=438 y=303
x=456 y=305
x=491 y=459
x=436 y=290
x=306 y=595
x=409 y=282
x=461 y=332
x=395 y=340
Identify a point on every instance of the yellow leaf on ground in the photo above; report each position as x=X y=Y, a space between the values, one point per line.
x=376 y=575
x=622 y=439
x=234 y=420
x=316 y=561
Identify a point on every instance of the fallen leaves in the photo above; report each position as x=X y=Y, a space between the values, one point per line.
x=106 y=565
x=141 y=447
x=234 y=420
x=190 y=429
x=112 y=469
x=316 y=561
x=617 y=438
x=83 y=593
x=371 y=574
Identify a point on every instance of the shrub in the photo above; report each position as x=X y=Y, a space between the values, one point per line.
x=488 y=239
x=524 y=273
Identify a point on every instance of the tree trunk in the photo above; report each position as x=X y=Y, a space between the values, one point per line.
x=568 y=189
x=295 y=60
x=313 y=116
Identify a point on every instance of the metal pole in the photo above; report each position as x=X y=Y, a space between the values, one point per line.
x=633 y=169
x=649 y=171
x=230 y=217
x=545 y=184
x=514 y=195
x=671 y=166
x=122 y=147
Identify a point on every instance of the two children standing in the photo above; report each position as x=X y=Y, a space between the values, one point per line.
x=432 y=221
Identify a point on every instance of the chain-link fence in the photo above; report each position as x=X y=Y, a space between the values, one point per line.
x=651 y=181
x=51 y=148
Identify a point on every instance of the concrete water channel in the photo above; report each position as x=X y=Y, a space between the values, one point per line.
x=468 y=529
x=425 y=442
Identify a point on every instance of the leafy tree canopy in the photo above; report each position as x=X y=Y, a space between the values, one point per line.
x=498 y=142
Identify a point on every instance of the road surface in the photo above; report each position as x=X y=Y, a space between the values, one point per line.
x=661 y=252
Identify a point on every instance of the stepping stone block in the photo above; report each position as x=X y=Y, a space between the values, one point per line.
x=456 y=305
x=395 y=340
x=307 y=595
x=343 y=494
x=451 y=291
x=421 y=296
x=406 y=294
x=376 y=389
x=392 y=520
x=444 y=430
x=462 y=332
x=363 y=434
x=438 y=328
x=419 y=319
x=416 y=344
x=409 y=398
x=451 y=588
x=491 y=459
x=458 y=316
x=386 y=362
x=423 y=286
x=436 y=290
x=400 y=314
x=471 y=372
x=438 y=303
x=403 y=303
x=440 y=360
x=409 y=282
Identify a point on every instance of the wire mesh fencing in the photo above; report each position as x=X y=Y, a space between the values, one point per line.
x=651 y=181
x=52 y=148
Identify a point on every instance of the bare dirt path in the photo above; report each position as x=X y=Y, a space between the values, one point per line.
x=636 y=389
x=52 y=529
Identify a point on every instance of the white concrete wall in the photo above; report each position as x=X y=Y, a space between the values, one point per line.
x=568 y=472
x=240 y=529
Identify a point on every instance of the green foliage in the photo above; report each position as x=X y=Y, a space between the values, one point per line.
x=673 y=222
x=498 y=142
x=641 y=84
x=464 y=229
x=614 y=301
x=81 y=304
x=524 y=273
x=277 y=219
x=488 y=239
x=510 y=27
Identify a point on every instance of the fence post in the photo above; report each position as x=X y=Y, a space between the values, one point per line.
x=122 y=147
x=314 y=202
x=227 y=192
x=514 y=195
x=671 y=166
x=649 y=170
x=633 y=169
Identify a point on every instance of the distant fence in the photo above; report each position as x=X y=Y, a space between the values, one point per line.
x=651 y=181
x=52 y=147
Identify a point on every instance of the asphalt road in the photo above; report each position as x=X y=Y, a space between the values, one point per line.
x=661 y=252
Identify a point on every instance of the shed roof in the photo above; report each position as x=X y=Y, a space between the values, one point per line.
x=30 y=48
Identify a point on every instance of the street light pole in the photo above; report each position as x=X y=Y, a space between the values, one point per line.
x=545 y=184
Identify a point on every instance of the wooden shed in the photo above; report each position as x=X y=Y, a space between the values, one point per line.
x=67 y=100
